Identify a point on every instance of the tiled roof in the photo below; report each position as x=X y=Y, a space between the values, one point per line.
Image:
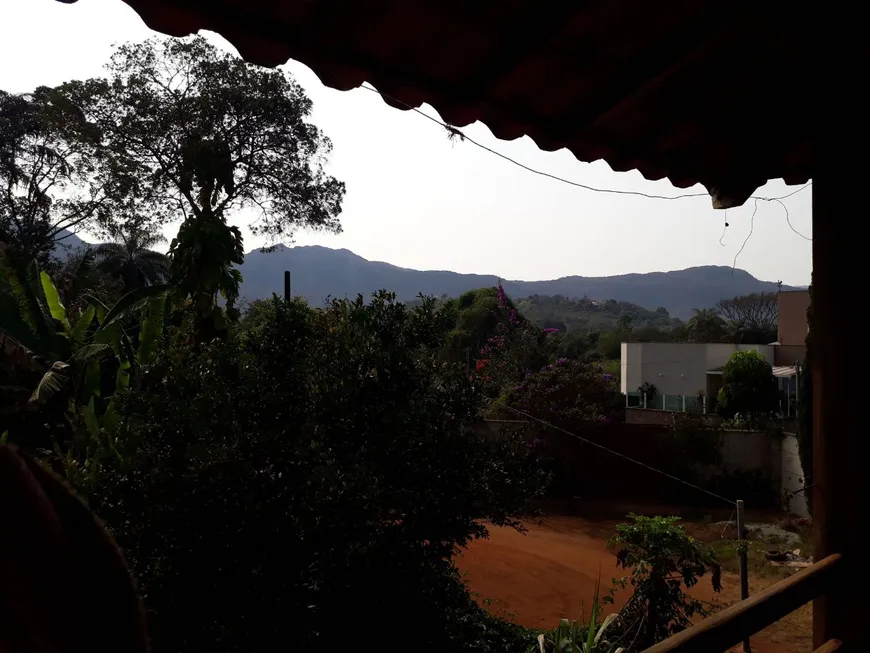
x=692 y=90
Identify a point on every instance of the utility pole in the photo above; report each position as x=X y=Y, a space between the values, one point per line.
x=744 y=563
x=286 y=285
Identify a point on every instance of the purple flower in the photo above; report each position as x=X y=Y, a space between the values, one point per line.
x=547 y=368
x=561 y=361
x=502 y=298
x=550 y=330
x=513 y=318
x=604 y=419
x=607 y=377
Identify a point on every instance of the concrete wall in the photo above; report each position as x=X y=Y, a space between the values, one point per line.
x=788 y=355
x=591 y=473
x=677 y=368
x=792 y=316
x=793 y=477
x=752 y=451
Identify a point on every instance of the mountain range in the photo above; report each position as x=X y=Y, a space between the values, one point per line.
x=320 y=272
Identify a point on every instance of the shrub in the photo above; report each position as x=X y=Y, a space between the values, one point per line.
x=567 y=392
x=318 y=470
x=748 y=386
x=663 y=559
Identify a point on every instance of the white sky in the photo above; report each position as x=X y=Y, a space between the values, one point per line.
x=416 y=200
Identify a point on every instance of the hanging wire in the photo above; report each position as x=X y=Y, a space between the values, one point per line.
x=621 y=455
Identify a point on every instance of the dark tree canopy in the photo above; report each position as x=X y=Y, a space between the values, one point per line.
x=748 y=386
x=130 y=259
x=48 y=184
x=190 y=132
x=752 y=318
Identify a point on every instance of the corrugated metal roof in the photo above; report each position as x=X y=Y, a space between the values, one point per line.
x=692 y=90
x=787 y=370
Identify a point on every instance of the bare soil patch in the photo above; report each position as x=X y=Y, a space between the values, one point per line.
x=549 y=572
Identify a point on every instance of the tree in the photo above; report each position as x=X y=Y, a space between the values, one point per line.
x=319 y=459
x=196 y=133
x=662 y=558
x=48 y=185
x=623 y=323
x=130 y=258
x=566 y=392
x=748 y=386
x=706 y=325
x=751 y=318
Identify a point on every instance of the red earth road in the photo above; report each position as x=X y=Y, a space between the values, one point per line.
x=549 y=572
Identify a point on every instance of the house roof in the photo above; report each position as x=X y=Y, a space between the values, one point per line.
x=698 y=91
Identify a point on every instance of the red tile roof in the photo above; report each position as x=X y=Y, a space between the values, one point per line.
x=692 y=90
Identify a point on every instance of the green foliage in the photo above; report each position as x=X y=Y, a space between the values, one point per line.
x=319 y=463
x=587 y=315
x=565 y=393
x=663 y=559
x=203 y=255
x=64 y=366
x=576 y=637
x=748 y=386
x=706 y=325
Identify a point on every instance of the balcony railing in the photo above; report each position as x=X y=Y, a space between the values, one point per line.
x=735 y=624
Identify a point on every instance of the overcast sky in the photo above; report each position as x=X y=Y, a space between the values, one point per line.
x=417 y=200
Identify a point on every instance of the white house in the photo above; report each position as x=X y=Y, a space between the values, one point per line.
x=679 y=370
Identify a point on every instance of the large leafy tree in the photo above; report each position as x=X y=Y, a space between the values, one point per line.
x=49 y=183
x=197 y=134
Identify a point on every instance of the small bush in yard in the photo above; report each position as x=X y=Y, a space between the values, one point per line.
x=663 y=560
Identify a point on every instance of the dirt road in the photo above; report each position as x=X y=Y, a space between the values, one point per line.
x=549 y=572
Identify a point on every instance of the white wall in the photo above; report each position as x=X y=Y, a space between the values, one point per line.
x=678 y=368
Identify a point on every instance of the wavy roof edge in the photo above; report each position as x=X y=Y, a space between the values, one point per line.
x=701 y=94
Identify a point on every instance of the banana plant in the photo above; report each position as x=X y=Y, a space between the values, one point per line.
x=38 y=336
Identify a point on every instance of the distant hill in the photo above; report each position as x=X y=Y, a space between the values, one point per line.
x=66 y=244
x=321 y=272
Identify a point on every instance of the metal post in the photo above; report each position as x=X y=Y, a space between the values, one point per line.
x=644 y=400
x=684 y=402
x=744 y=565
x=287 y=285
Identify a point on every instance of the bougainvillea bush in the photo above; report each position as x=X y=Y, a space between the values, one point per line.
x=516 y=348
x=564 y=393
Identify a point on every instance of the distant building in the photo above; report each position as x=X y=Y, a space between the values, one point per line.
x=684 y=374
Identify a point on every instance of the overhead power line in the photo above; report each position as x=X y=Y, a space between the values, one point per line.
x=455 y=132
